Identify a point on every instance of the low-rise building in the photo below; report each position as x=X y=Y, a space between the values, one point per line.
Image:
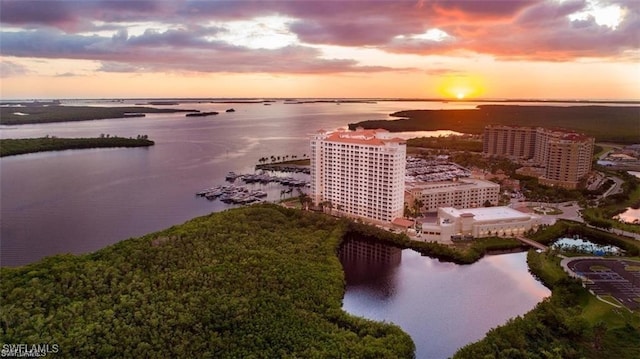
x=462 y=193
x=455 y=223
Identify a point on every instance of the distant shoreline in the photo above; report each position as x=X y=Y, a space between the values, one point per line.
x=13 y=147
x=182 y=100
x=618 y=124
x=38 y=113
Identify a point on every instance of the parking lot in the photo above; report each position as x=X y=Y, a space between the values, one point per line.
x=618 y=278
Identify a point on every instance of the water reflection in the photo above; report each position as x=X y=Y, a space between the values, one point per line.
x=631 y=215
x=442 y=306
x=371 y=265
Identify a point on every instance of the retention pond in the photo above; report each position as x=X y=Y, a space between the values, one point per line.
x=443 y=306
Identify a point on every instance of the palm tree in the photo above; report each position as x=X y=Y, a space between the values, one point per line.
x=417 y=207
x=304 y=199
x=330 y=206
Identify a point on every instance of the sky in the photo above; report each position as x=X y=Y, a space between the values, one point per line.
x=540 y=49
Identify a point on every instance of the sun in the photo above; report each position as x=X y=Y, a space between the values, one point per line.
x=460 y=86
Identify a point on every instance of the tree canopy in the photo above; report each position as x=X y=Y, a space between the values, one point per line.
x=260 y=281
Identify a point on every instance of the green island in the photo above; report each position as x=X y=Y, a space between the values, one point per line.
x=11 y=147
x=617 y=124
x=254 y=282
x=36 y=113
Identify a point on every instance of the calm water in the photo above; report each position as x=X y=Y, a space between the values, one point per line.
x=442 y=306
x=83 y=200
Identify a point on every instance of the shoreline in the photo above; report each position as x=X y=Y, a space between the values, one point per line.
x=23 y=146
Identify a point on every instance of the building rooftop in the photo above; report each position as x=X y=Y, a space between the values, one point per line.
x=440 y=186
x=488 y=213
x=376 y=137
x=403 y=222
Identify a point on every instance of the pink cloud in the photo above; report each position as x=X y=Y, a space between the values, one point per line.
x=527 y=29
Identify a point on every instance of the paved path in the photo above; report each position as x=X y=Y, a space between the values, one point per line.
x=570 y=211
x=532 y=243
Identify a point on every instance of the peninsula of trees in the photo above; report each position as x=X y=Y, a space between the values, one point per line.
x=254 y=282
x=36 y=113
x=10 y=147
x=617 y=124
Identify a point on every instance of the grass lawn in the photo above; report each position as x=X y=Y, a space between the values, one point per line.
x=595 y=311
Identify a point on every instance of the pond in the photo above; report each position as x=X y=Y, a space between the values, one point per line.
x=443 y=306
x=631 y=215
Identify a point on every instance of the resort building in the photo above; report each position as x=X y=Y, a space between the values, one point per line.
x=514 y=142
x=461 y=193
x=359 y=173
x=470 y=223
x=564 y=157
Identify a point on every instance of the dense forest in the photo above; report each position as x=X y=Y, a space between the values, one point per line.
x=619 y=124
x=452 y=143
x=10 y=147
x=29 y=114
x=254 y=282
x=265 y=281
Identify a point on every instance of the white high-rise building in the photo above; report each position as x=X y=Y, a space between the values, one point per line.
x=360 y=173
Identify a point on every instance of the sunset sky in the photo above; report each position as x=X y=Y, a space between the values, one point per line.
x=551 y=49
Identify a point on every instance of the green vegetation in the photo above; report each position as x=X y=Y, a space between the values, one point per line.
x=602 y=215
x=605 y=123
x=464 y=253
x=10 y=147
x=450 y=143
x=550 y=234
x=572 y=323
x=254 y=282
x=492 y=164
x=302 y=162
x=43 y=114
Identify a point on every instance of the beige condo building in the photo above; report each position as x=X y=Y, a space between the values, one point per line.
x=360 y=173
x=564 y=157
x=461 y=193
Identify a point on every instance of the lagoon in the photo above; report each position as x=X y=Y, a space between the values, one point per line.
x=443 y=306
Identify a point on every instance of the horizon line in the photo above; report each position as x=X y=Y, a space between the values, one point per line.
x=336 y=99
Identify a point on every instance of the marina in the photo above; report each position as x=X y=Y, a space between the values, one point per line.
x=422 y=170
x=237 y=194
x=233 y=194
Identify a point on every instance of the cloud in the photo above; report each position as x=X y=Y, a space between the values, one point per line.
x=188 y=35
x=172 y=50
x=541 y=31
x=11 y=69
x=76 y=15
x=67 y=74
